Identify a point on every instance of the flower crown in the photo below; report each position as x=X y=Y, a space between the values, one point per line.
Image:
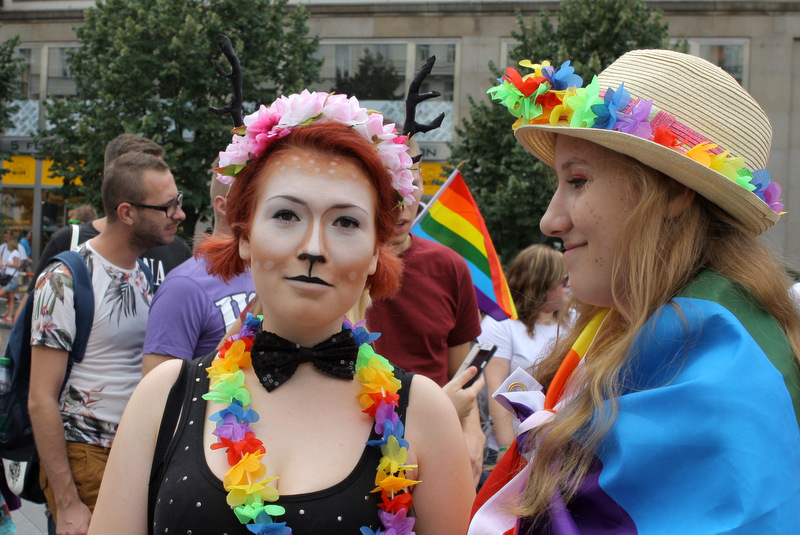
x=550 y=95
x=268 y=124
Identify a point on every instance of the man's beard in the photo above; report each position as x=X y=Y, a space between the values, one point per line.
x=146 y=236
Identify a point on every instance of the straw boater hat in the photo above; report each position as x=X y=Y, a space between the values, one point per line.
x=685 y=117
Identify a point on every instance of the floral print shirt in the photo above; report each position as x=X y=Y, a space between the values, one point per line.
x=98 y=387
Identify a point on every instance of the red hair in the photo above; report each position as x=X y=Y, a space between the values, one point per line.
x=324 y=139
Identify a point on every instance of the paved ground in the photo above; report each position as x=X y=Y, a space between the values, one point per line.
x=29 y=519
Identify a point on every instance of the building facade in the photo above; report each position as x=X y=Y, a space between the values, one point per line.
x=758 y=42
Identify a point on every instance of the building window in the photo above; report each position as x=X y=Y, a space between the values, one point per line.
x=59 y=79
x=377 y=70
x=30 y=76
x=378 y=74
x=506 y=46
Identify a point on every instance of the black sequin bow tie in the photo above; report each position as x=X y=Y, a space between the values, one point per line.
x=275 y=359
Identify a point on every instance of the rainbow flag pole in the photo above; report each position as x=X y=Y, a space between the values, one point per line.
x=452 y=218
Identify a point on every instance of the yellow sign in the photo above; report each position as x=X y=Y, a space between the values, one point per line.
x=431 y=172
x=46 y=180
x=22 y=172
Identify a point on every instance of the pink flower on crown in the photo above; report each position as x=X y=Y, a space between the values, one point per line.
x=345 y=110
x=373 y=128
x=233 y=159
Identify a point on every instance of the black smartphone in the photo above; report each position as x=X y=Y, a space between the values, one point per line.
x=479 y=355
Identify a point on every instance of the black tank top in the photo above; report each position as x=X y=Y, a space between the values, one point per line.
x=191 y=499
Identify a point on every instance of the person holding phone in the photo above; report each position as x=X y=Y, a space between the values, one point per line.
x=539 y=285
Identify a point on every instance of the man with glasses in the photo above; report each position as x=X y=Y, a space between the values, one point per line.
x=75 y=427
x=161 y=259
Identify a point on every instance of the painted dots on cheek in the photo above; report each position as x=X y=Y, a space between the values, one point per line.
x=256 y=266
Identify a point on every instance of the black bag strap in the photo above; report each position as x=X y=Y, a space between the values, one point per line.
x=148 y=273
x=166 y=432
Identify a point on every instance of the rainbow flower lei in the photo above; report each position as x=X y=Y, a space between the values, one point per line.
x=249 y=494
x=268 y=124
x=550 y=95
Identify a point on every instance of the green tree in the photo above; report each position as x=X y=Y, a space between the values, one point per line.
x=10 y=68
x=511 y=187
x=147 y=67
x=375 y=79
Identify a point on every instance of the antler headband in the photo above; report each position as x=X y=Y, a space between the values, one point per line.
x=414 y=98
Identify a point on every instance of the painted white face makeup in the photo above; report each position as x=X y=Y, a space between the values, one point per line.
x=312 y=243
x=594 y=196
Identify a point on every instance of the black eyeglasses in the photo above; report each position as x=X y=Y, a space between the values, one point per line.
x=168 y=209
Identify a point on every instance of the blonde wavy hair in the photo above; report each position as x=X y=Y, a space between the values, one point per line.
x=662 y=254
x=533 y=272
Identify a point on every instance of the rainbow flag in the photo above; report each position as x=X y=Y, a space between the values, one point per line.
x=452 y=218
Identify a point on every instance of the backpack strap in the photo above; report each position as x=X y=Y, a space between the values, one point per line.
x=74 y=237
x=147 y=272
x=83 y=300
x=166 y=432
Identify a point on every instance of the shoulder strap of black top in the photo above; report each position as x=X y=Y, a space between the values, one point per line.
x=169 y=421
x=405 y=386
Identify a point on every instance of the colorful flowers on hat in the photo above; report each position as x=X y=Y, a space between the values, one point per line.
x=268 y=124
x=554 y=96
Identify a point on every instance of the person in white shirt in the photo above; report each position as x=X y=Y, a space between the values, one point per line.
x=539 y=285
x=12 y=258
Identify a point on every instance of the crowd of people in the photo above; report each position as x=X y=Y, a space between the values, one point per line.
x=300 y=373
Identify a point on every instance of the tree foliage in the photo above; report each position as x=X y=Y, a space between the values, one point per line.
x=375 y=79
x=147 y=67
x=10 y=68
x=511 y=187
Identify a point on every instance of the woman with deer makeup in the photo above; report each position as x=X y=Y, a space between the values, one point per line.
x=296 y=425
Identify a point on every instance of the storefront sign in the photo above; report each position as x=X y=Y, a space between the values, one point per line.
x=21 y=171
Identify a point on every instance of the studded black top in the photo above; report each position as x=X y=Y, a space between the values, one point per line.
x=191 y=499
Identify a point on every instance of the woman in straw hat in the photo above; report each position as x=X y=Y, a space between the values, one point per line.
x=672 y=405
x=296 y=425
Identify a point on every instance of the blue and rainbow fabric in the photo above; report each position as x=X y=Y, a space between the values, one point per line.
x=706 y=439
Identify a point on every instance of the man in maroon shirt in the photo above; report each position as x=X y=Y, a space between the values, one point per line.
x=429 y=325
